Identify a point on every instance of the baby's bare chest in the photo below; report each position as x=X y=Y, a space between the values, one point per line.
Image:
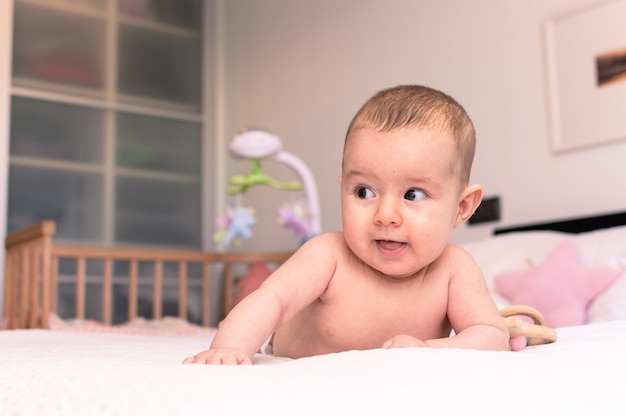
x=380 y=317
x=360 y=311
x=366 y=314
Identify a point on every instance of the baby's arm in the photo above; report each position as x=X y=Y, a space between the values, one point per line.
x=471 y=309
x=293 y=286
x=243 y=331
x=472 y=312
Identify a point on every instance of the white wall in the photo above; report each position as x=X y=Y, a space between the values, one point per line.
x=302 y=68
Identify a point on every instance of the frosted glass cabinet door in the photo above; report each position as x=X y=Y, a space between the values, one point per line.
x=183 y=14
x=159 y=67
x=50 y=130
x=160 y=54
x=107 y=119
x=73 y=200
x=155 y=212
x=158 y=181
x=57 y=49
x=158 y=144
x=56 y=167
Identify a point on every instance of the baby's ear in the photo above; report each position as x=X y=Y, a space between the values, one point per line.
x=468 y=203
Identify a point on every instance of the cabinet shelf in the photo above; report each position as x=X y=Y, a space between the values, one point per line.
x=55 y=164
x=37 y=88
x=147 y=19
x=152 y=25
x=41 y=90
x=91 y=8
x=177 y=17
x=178 y=110
x=89 y=167
x=155 y=175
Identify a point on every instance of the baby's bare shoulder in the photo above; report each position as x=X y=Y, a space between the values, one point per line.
x=321 y=253
x=454 y=253
x=455 y=259
x=332 y=237
x=331 y=243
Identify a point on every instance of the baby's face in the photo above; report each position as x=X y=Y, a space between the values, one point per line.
x=400 y=197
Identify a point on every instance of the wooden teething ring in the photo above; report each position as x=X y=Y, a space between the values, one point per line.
x=537 y=333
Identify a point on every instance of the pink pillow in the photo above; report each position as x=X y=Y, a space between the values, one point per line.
x=560 y=288
x=251 y=281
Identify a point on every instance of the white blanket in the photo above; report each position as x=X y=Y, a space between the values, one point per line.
x=65 y=373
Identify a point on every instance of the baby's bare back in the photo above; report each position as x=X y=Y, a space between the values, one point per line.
x=362 y=309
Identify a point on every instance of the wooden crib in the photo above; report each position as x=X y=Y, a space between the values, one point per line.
x=33 y=268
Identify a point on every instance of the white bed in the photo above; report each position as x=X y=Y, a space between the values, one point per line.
x=66 y=372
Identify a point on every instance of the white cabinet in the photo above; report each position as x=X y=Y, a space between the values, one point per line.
x=109 y=126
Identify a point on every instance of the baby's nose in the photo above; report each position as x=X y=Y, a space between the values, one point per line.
x=388 y=212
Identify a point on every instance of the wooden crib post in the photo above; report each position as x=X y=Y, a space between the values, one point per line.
x=54 y=282
x=107 y=297
x=34 y=307
x=80 y=288
x=46 y=273
x=27 y=276
x=11 y=288
x=24 y=282
x=206 y=293
x=9 y=291
x=157 y=298
x=132 y=289
x=182 y=289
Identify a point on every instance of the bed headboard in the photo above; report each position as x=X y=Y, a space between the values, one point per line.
x=572 y=225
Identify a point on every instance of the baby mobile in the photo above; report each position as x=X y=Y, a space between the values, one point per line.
x=302 y=216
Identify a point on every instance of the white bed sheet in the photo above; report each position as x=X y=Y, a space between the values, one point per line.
x=66 y=373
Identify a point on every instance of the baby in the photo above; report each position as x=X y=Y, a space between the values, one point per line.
x=390 y=279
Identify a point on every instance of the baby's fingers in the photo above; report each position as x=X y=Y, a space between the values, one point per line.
x=189 y=360
x=202 y=358
x=221 y=357
x=237 y=359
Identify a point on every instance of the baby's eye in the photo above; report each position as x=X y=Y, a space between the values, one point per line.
x=364 y=193
x=414 y=195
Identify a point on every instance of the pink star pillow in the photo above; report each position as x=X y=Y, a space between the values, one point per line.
x=560 y=288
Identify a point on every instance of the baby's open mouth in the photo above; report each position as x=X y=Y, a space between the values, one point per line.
x=390 y=247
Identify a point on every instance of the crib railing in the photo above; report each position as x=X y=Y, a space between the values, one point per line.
x=33 y=267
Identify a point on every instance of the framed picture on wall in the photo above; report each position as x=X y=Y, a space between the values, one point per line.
x=586 y=56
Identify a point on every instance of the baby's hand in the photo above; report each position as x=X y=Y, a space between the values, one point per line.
x=219 y=356
x=404 y=341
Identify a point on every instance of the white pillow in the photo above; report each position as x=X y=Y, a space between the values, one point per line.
x=610 y=305
x=515 y=251
x=606 y=247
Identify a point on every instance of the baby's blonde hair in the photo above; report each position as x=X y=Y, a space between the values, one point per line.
x=420 y=107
